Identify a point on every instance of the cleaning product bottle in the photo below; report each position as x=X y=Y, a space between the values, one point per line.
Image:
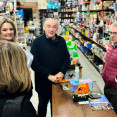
x=77 y=74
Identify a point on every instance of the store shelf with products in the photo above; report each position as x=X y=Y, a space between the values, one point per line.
x=67 y=11
x=92 y=25
x=65 y=17
x=6 y=8
x=21 y=34
x=94 y=59
x=89 y=39
x=97 y=10
x=21 y=39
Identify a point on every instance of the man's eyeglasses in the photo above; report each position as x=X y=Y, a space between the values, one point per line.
x=114 y=33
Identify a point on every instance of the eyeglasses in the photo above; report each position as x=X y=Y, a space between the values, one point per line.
x=114 y=33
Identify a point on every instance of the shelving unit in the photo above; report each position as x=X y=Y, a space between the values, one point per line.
x=93 y=59
x=82 y=27
x=88 y=39
x=20 y=32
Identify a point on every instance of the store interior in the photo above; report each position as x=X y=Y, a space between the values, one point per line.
x=84 y=24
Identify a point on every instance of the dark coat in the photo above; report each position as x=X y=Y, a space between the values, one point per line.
x=27 y=109
x=50 y=57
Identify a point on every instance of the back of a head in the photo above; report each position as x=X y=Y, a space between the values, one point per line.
x=13 y=68
x=4 y=19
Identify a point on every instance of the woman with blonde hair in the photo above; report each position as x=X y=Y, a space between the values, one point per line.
x=7 y=29
x=15 y=78
x=8 y=32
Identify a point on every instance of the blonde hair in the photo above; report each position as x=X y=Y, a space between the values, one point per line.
x=8 y=20
x=14 y=74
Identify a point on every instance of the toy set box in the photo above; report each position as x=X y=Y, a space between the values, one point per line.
x=75 y=84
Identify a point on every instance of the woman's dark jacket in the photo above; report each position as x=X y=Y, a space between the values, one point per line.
x=26 y=110
x=50 y=57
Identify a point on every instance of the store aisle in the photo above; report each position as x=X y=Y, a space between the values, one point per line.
x=88 y=71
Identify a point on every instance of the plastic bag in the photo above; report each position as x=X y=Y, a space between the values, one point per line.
x=29 y=58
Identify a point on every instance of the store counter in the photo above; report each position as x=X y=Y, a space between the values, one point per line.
x=63 y=105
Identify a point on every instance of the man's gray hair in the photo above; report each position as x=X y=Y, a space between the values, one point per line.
x=49 y=19
x=113 y=25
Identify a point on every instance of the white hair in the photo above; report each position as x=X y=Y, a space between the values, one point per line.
x=113 y=25
x=50 y=19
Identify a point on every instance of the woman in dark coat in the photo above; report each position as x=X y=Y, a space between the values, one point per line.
x=15 y=78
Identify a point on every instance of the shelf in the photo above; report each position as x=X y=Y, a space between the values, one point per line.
x=76 y=38
x=89 y=60
x=66 y=7
x=63 y=22
x=86 y=2
x=97 y=10
x=108 y=0
x=86 y=38
x=106 y=33
x=85 y=26
x=86 y=47
x=67 y=12
x=72 y=34
x=98 y=57
x=49 y=12
x=67 y=17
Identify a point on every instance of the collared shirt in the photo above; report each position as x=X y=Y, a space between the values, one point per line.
x=114 y=44
x=51 y=38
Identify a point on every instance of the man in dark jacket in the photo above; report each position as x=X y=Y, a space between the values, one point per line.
x=51 y=60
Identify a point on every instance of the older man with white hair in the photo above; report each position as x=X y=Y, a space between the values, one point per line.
x=51 y=60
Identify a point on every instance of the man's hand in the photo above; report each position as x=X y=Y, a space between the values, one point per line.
x=60 y=74
x=53 y=78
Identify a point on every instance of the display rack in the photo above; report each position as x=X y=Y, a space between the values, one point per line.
x=20 y=31
x=84 y=36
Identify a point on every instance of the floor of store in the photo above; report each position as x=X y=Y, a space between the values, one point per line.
x=88 y=71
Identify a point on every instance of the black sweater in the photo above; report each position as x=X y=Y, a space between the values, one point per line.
x=50 y=57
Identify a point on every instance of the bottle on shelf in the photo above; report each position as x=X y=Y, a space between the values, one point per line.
x=77 y=74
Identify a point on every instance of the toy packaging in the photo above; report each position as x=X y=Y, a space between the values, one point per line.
x=101 y=103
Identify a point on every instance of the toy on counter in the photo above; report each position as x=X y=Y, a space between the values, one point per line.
x=80 y=97
x=74 y=85
x=62 y=81
x=83 y=88
x=65 y=83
